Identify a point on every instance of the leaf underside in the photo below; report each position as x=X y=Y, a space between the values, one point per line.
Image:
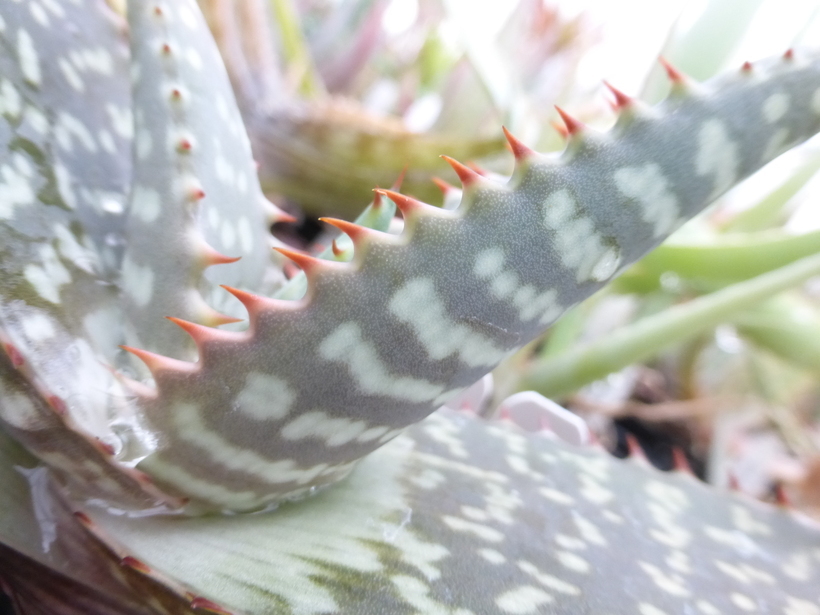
x=461 y=516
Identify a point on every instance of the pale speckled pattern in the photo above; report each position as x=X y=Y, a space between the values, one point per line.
x=456 y=517
x=101 y=251
x=515 y=526
x=189 y=138
x=452 y=287
x=64 y=177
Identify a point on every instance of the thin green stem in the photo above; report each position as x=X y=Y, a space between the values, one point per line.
x=561 y=374
x=771 y=210
x=294 y=48
x=723 y=259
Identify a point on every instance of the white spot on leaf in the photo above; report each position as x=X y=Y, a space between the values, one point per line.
x=145 y=204
x=36 y=119
x=418 y=305
x=29 y=60
x=49 y=276
x=122 y=120
x=650 y=188
x=523 y=600
x=346 y=345
x=577 y=242
x=505 y=285
x=572 y=561
x=16 y=188
x=335 y=431
x=717 y=156
x=11 y=103
x=71 y=75
x=266 y=397
x=194 y=59
x=775 y=107
x=137 y=281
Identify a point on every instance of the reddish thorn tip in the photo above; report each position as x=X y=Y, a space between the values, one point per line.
x=478 y=168
x=680 y=461
x=747 y=67
x=519 y=150
x=211 y=318
x=280 y=215
x=176 y=94
x=675 y=76
x=305 y=261
x=405 y=204
x=443 y=185
x=560 y=128
x=781 y=498
x=83 y=518
x=622 y=101
x=187 y=326
x=337 y=251
x=467 y=175
x=15 y=356
x=157 y=362
x=212 y=257
x=634 y=447
x=166 y=48
x=245 y=298
x=133 y=562
x=57 y=404
x=207 y=605
x=789 y=55
x=197 y=194
x=157 y=10
x=185 y=146
x=106 y=448
x=399 y=180
x=354 y=231
x=573 y=125
x=201 y=333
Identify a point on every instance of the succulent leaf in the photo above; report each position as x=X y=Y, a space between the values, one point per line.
x=455 y=515
x=195 y=200
x=50 y=564
x=65 y=135
x=314 y=385
x=463 y=289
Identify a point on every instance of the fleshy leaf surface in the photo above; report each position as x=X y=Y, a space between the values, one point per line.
x=314 y=385
x=65 y=172
x=50 y=564
x=195 y=199
x=459 y=517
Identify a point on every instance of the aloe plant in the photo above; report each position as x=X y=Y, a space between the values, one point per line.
x=125 y=202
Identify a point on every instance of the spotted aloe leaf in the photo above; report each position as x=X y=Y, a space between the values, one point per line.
x=66 y=174
x=342 y=386
x=316 y=384
x=48 y=563
x=454 y=517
